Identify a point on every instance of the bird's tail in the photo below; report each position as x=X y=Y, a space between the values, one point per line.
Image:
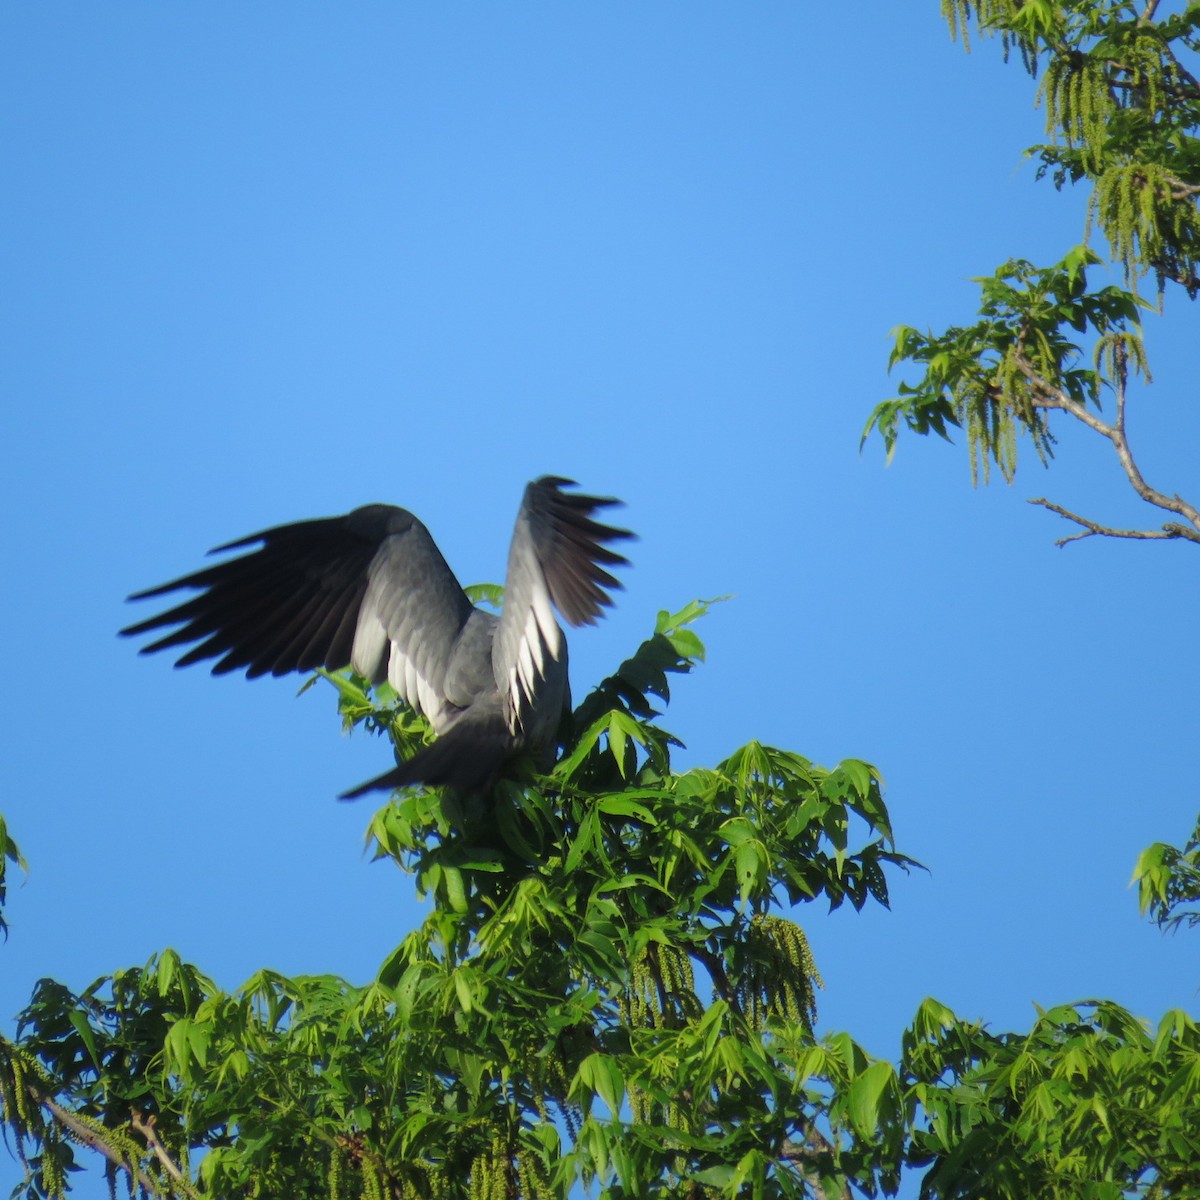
x=467 y=758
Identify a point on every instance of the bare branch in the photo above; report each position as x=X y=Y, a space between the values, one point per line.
x=1174 y=504
x=1169 y=531
x=1052 y=397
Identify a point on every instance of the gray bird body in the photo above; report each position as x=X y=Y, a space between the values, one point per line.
x=372 y=590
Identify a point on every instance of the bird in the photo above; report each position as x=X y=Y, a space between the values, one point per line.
x=371 y=590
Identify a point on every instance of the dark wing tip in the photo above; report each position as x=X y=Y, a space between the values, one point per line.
x=554 y=481
x=573 y=547
x=547 y=492
x=284 y=605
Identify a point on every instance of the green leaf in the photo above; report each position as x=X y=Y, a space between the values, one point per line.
x=617 y=805
x=346 y=689
x=81 y=1025
x=864 y=1096
x=455 y=888
x=751 y=859
x=600 y=1075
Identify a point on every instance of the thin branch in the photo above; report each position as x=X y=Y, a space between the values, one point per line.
x=814 y=1151
x=720 y=980
x=1181 y=72
x=86 y=1133
x=144 y=1124
x=1052 y=397
x=1170 y=530
x=1174 y=504
x=1049 y=396
x=1188 y=280
x=1190 y=92
x=1121 y=359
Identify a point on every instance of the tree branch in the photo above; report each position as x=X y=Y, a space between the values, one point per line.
x=815 y=1150
x=144 y=1124
x=91 y=1134
x=1052 y=397
x=1189 y=281
x=1049 y=396
x=83 y=1133
x=720 y=980
x=1170 y=530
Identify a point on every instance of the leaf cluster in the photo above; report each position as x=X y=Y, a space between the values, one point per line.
x=1122 y=109
x=1168 y=882
x=609 y=990
x=1000 y=377
x=1090 y=1104
x=1123 y=114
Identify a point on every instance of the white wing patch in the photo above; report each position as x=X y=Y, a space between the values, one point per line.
x=415 y=690
x=370 y=642
x=540 y=638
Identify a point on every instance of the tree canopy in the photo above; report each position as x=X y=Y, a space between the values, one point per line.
x=610 y=989
x=607 y=989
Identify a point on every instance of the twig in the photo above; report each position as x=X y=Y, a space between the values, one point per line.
x=1170 y=530
x=144 y=1124
x=1047 y=396
x=87 y=1134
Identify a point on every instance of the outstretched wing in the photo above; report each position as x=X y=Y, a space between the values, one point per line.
x=369 y=589
x=558 y=558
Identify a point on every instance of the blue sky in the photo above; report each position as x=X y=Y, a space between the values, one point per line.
x=271 y=261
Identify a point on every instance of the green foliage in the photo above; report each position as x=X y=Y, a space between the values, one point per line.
x=1168 y=880
x=1122 y=112
x=999 y=377
x=1122 y=108
x=1089 y=1104
x=607 y=989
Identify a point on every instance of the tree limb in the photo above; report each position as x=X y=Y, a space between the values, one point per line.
x=83 y=1133
x=720 y=980
x=815 y=1149
x=144 y=1124
x=1170 y=530
x=1048 y=396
